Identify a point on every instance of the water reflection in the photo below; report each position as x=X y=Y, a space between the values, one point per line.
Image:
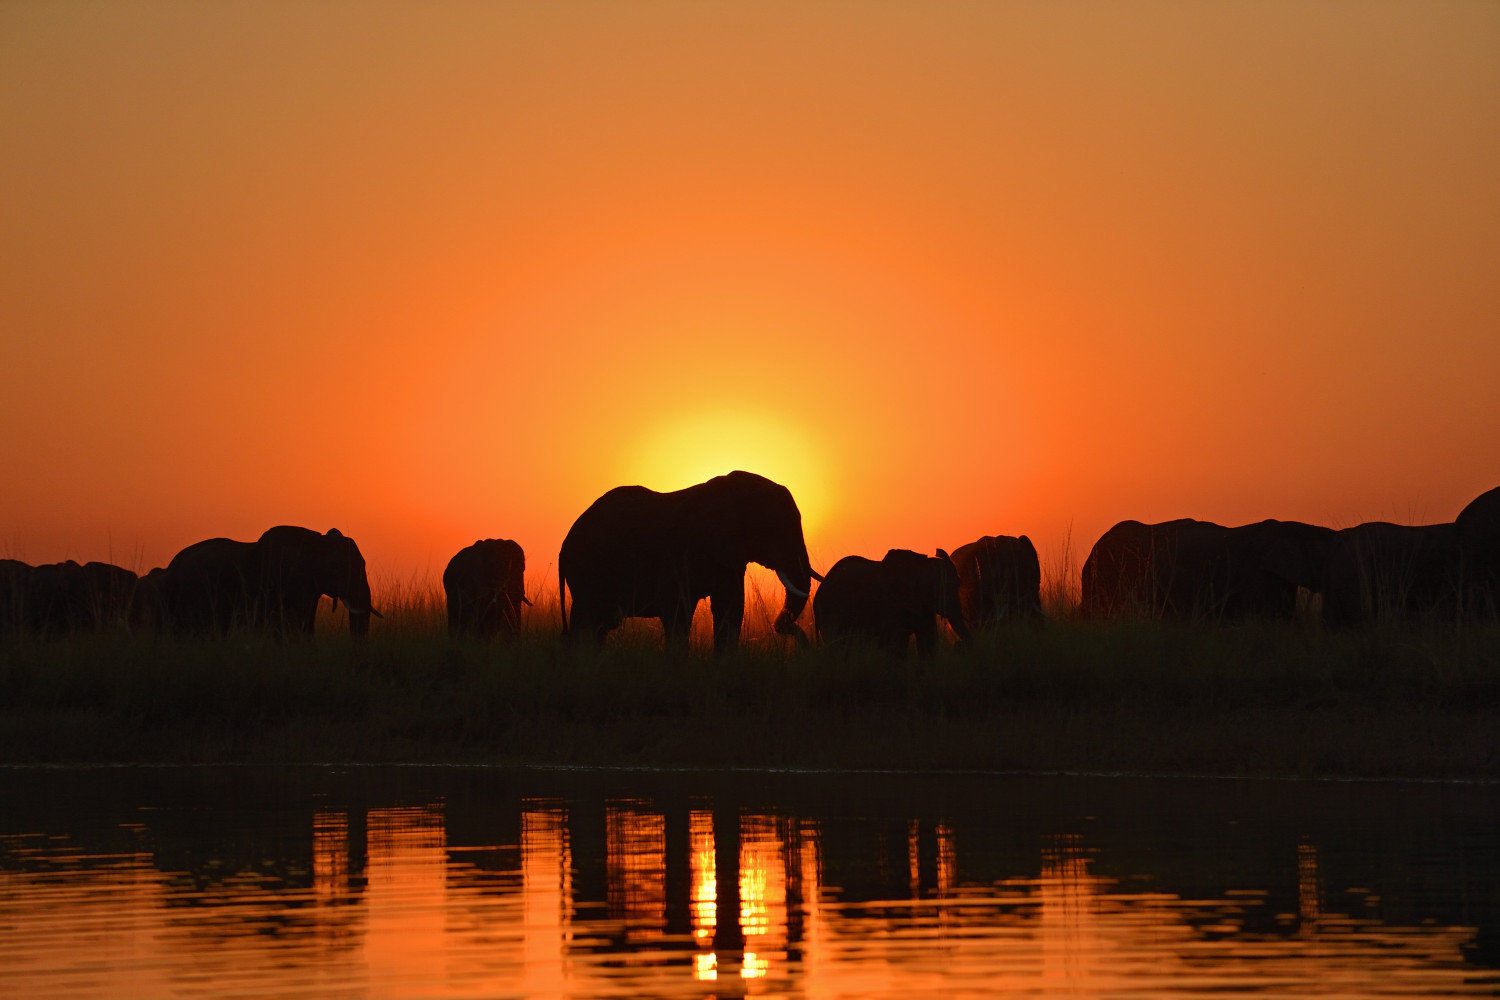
x=675 y=894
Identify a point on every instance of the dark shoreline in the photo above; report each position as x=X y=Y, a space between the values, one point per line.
x=1266 y=700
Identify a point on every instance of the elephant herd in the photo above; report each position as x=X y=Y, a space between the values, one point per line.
x=1377 y=571
x=273 y=584
x=639 y=553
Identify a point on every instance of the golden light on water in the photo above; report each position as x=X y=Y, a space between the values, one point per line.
x=401 y=910
x=705 y=896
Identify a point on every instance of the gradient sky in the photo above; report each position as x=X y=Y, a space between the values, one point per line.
x=432 y=272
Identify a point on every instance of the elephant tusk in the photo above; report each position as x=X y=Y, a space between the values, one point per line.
x=377 y=614
x=791 y=588
x=526 y=601
x=816 y=575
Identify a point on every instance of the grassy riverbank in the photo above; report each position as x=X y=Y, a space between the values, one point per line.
x=1415 y=702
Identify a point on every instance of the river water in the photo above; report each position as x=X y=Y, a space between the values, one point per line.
x=471 y=882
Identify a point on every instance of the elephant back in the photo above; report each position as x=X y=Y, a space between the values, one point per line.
x=845 y=602
x=1117 y=578
x=210 y=586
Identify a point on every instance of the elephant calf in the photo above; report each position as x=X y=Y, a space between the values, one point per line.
x=890 y=601
x=485 y=588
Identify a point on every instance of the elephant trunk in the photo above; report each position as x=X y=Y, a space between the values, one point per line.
x=955 y=618
x=356 y=598
x=798 y=585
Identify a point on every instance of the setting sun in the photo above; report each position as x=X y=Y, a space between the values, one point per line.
x=695 y=448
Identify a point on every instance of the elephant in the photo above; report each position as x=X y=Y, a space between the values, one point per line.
x=15 y=578
x=485 y=588
x=273 y=583
x=63 y=597
x=1384 y=571
x=1116 y=578
x=999 y=579
x=637 y=553
x=210 y=587
x=890 y=601
x=1198 y=570
x=1479 y=535
x=103 y=596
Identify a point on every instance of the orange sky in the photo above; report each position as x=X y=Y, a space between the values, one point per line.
x=434 y=272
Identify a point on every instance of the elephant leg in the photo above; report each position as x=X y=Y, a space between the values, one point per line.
x=304 y=618
x=677 y=623
x=927 y=638
x=590 y=621
x=728 y=609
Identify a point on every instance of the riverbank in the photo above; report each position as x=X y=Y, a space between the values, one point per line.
x=1263 y=699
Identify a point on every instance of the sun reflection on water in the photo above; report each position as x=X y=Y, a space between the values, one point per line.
x=388 y=906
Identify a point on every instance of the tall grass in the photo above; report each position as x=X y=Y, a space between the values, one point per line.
x=1417 y=700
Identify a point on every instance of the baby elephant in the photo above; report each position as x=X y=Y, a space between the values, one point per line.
x=484 y=584
x=891 y=600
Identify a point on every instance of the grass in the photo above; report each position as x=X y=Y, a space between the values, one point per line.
x=1418 y=701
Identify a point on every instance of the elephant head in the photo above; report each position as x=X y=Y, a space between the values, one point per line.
x=484 y=584
x=999 y=579
x=298 y=566
x=928 y=586
x=760 y=523
x=1272 y=559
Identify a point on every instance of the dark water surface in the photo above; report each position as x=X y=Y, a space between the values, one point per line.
x=471 y=882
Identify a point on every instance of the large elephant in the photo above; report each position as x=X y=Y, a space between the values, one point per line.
x=890 y=601
x=1381 y=571
x=636 y=553
x=273 y=583
x=1198 y=570
x=999 y=579
x=484 y=584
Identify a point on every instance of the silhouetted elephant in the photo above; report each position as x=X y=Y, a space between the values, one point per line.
x=272 y=583
x=890 y=601
x=1199 y=570
x=1479 y=536
x=999 y=579
x=102 y=595
x=485 y=588
x=15 y=578
x=636 y=553
x=1383 y=571
x=63 y=597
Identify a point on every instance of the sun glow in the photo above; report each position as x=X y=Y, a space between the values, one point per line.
x=692 y=448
